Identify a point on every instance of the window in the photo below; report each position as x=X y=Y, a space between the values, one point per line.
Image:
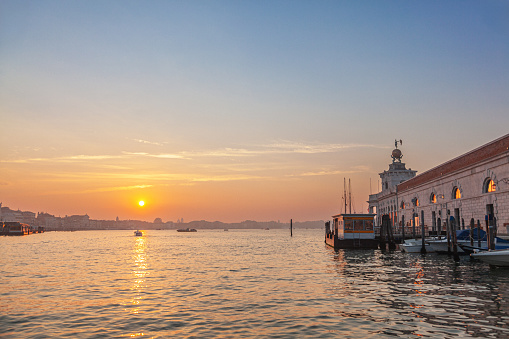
x=456 y=193
x=349 y=225
x=433 y=198
x=402 y=205
x=489 y=186
x=368 y=225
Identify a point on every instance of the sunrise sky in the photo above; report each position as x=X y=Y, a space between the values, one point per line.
x=235 y=110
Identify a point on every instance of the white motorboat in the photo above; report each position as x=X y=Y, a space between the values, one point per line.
x=494 y=258
x=462 y=237
x=415 y=246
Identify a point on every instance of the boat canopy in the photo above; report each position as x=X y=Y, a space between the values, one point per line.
x=476 y=233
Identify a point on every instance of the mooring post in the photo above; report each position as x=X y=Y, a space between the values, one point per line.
x=383 y=229
x=423 y=248
x=478 y=233
x=472 y=232
x=455 y=241
x=392 y=242
x=488 y=230
x=291 y=227
x=448 y=231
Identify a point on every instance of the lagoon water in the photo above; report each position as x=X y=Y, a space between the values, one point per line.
x=239 y=284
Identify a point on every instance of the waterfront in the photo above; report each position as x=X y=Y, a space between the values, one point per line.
x=241 y=283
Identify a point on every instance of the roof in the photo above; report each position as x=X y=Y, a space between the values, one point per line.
x=489 y=150
x=362 y=215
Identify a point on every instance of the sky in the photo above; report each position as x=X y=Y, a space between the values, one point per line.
x=239 y=110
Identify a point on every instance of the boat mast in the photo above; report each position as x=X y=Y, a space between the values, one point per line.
x=350 y=195
x=344 y=192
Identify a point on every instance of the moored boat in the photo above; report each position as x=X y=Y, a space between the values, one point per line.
x=351 y=231
x=415 y=246
x=462 y=237
x=15 y=228
x=494 y=258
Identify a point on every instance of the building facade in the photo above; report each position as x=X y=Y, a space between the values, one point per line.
x=472 y=188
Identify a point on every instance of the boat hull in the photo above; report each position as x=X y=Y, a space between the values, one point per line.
x=440 y=246
x=415 y=246
x=352 y=244
x=494 y=258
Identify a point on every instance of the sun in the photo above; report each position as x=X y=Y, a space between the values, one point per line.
x=141 y=203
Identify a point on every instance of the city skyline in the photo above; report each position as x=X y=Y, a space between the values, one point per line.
x=236 y=111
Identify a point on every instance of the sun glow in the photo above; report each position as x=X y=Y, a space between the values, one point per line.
x=141 y=203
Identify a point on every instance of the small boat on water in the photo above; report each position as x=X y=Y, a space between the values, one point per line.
x=415 y=246
x=463 y=237
x=500 y=244
x=494 y=258
x=138 y=233
x=186 y=230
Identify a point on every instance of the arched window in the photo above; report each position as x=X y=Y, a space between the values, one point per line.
x=415 y=201
x=433 y=198
x=456 y=193
x=402 y=205
x=489 y=186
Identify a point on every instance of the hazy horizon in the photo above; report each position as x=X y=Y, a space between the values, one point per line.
x=227 y=110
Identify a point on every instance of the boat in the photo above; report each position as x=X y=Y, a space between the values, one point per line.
x=462 y=237
x=500 y=244
x=351 y=231
x=186 y=230
x=415 y=246
x=494 y=258
x=15 y=228
x=138 y=233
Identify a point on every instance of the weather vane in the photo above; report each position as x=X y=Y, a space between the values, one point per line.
x=398 y=141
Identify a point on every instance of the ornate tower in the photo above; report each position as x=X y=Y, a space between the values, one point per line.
x=397 y=172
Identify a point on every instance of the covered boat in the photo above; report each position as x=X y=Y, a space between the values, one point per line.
x=351 y=231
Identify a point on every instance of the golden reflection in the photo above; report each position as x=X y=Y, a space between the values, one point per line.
x=139 y=273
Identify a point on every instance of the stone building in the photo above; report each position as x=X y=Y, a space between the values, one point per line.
x=472 y=188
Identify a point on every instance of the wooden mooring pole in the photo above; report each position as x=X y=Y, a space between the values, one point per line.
x=291 y=227
x=423 y=247
x=454 y=240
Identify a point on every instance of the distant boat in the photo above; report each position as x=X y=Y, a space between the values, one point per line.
x=138 y=233
x=186 y=230
x=494 y=258
x=226 y=230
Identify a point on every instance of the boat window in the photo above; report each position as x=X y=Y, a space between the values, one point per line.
x=349 y=225
x=368 y=225
x=358 y=226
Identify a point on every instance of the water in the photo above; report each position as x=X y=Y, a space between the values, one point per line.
x=239 y=284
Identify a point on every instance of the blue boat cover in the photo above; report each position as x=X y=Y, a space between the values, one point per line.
x=465 y=234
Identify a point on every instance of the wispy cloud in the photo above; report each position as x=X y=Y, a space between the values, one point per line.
x=148 y=142
x=120 y=188
x=221 y=178
x=278 y=147
x=158 y=155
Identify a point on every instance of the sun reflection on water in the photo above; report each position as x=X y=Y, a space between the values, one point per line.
x=139 y=259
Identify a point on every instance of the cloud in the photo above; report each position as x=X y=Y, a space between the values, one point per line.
x=222 y=178
x=148 y=142
x=112 y=189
